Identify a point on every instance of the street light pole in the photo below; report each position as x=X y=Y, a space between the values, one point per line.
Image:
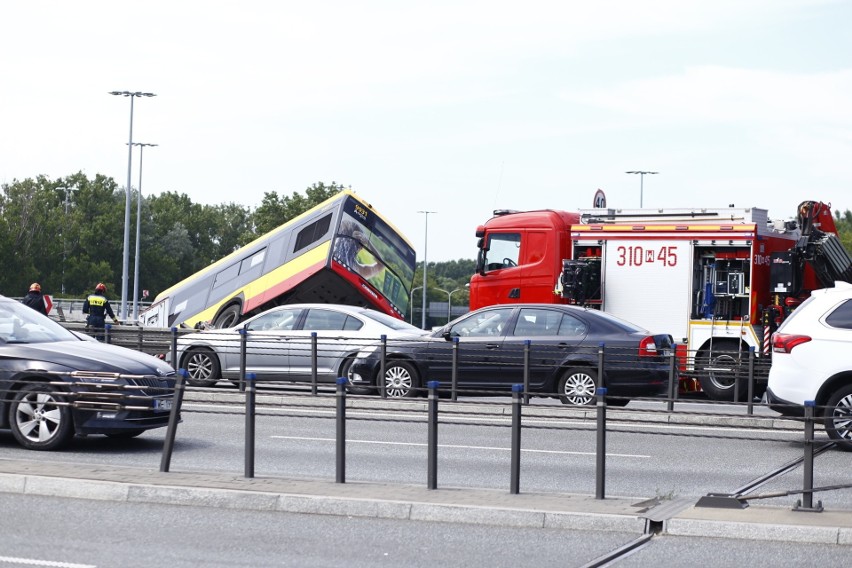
x=641 y=182
x=64 y=237
x=450 y=304
x=138 y=232
x=425 y=243
x=126 y=256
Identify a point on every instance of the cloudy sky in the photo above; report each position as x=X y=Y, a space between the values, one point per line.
x=457 y=107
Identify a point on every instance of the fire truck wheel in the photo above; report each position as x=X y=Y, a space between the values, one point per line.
x=577 y=386
x=718 y=371
x=400 y=379
x=838 y=418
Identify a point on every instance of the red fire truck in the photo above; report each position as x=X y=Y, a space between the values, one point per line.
x=718 y=280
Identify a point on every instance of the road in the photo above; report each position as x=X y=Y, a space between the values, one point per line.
x=644 y=460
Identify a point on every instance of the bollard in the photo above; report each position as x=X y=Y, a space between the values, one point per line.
x=806 y=503
x=600 y=458
x=243 y=348
x=171 y=429
x=314 y=363
x=527 y=343
x=601 y=381
x=432 y=437
x=249 y=385
x=750 y=392
x=173 y=355
x=515 y=457
x=381 y=383
x=340 y=444
x=672 y=381
x=454 y=380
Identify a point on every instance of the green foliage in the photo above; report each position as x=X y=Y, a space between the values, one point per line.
x=275 y=210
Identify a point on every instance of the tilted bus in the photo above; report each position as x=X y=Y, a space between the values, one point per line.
x=340 y=251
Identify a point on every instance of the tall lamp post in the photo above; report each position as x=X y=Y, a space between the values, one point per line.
x=411 y=303
x=138 y=232
x=450 y=304
x=68 y=191
x=126 y=257
x=425 y=243
x=641 y=182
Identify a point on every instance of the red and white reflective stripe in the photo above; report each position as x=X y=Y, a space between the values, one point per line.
x=766 y=340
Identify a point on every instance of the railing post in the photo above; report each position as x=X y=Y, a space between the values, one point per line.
x=171 y=429
x=454 y=376
x=739 y=365
x=249 y=385
x=515 y=457
x=173 y=348
x=750 y=392
x=432 y=437
x=601 y=380
x=527 y=343
x=340 y=445
x=381 y=383
x=314 y=363
x=107 y=330
x=243 y=349
x=600 y=456
x=806 y=503
x=673 y=381
x=139 y=338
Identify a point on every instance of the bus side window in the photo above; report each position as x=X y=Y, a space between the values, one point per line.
x=312 y=233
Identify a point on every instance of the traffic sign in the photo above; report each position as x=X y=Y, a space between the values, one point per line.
x=48 y=303
x=600 y=200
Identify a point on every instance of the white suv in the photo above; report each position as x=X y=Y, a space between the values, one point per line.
x=812 y=360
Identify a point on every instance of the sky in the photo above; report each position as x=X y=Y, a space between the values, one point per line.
x=455 y=107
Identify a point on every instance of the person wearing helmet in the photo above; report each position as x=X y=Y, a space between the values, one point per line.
x=34 y=299
x=98 y=308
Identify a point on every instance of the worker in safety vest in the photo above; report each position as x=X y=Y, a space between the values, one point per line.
x=97 y=306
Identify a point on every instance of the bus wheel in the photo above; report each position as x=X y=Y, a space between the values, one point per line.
x=229 y=317
x=400 y=379
x=202 y=367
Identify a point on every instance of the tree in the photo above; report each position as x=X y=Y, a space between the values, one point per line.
x=274 y=211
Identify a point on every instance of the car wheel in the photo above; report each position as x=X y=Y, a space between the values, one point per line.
x=344 y=372
x=202 y=367
x=400 y=379
x=229 y=317
x=838 y=418
x=39 y=418
x=719 y=372
x=577 y=386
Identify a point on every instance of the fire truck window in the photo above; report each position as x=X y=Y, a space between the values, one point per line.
x=842 y=316
x=503 y=251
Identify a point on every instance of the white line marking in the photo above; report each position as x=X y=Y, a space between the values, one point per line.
x=489 y=448
x=33 y=562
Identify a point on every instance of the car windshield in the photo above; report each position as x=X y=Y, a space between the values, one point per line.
x=22 y=324
x=390 y=321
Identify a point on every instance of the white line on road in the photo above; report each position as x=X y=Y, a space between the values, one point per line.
x=33 y=562
x=488 y=448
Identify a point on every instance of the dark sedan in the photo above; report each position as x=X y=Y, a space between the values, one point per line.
x=54 y=383
x=563 y=355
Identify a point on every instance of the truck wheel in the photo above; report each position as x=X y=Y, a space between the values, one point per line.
x=719 y=372
x=400 y=379
x=838 y=418
x=229 y=317
x=202 y=367
x=39 y=419
x=577 y=386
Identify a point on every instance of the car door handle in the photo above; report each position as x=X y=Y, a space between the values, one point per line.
x=492 y=346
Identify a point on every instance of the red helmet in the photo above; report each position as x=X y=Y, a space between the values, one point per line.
x=101 y=287
x=35 y=287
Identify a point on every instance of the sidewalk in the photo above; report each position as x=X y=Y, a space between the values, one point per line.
x=393 y=501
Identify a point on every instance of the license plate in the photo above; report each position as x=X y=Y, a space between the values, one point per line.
x=162 y=404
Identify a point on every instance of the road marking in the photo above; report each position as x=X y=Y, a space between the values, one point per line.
x=455 y=446
x=33 y=562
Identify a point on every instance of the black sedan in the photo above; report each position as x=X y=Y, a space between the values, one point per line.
x=564 y=344
x=54 y=383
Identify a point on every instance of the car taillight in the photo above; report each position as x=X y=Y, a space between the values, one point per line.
x=784 y=342
x=647 y=347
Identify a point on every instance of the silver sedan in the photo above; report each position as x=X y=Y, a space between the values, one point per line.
x=279 y=343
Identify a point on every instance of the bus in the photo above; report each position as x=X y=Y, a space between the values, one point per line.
x=341 y=251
